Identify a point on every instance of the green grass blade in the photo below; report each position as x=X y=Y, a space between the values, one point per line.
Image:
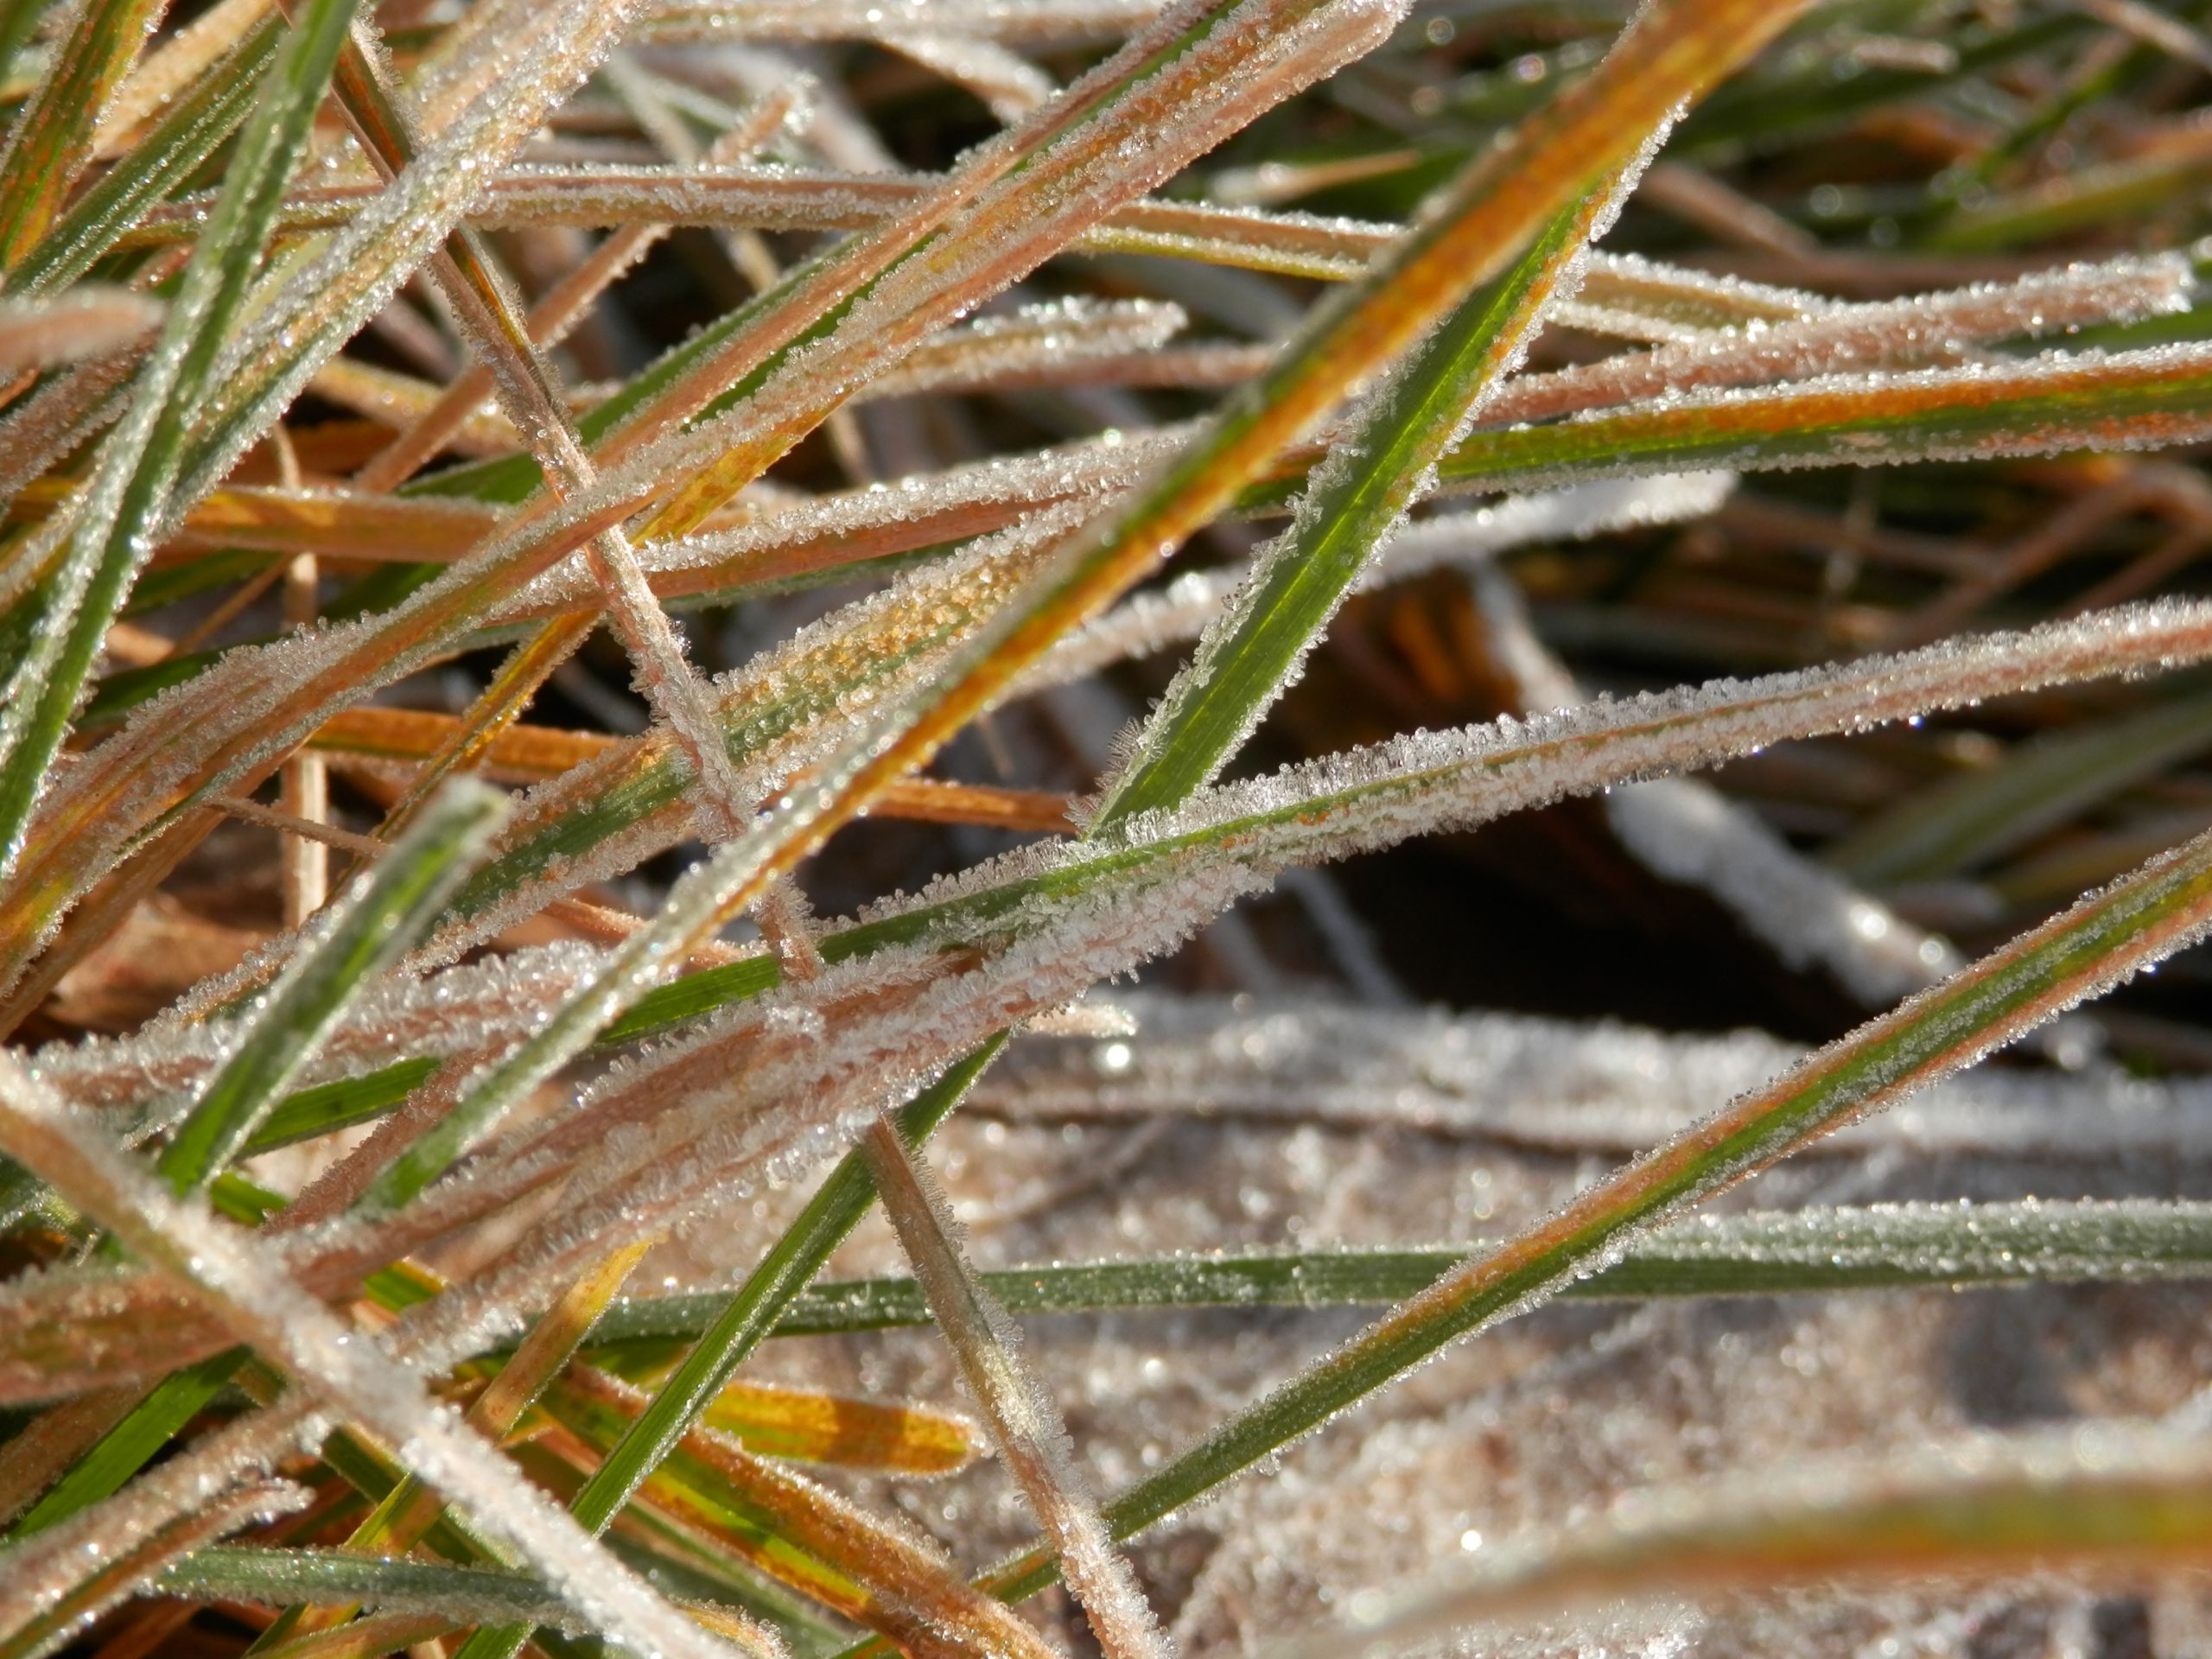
x=127 y=1448
x=306 y=1114
x=1959 y=824
x=391 y=907
x=1352 y=504
x=1783 y=1254
x=268 y=1577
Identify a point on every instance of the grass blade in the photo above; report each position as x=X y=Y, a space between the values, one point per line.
x=2130 y=400
x=1033 y=1438
x=90 y=322
x=360 y=938
x=260 y=1576
x=1759 y=1254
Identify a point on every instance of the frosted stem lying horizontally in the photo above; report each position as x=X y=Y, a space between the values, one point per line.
x=1928 y=328
x=1031 y=1434
x=1624 y=295
x=1754 y=1253
x=90 y=321
x=2051 y=403
x=1555 y=1086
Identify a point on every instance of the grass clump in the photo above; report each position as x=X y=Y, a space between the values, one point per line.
x=1281 y=495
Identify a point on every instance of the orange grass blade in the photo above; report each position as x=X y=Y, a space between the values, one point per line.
x=903 y=1439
